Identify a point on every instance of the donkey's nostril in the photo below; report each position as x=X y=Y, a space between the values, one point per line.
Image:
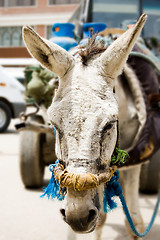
x=62 y=210
x=92 y=214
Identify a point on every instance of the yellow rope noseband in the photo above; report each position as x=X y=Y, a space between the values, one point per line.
x=81 y=182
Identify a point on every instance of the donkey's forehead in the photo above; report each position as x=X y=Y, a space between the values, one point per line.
x=84 y=81
x=84 y=94
x=78 y=106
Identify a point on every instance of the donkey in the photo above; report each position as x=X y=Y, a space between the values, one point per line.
x=85 y=112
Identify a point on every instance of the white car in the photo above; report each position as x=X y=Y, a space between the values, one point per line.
x=12 y=101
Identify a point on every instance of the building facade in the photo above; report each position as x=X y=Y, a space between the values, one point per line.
x=40 y=14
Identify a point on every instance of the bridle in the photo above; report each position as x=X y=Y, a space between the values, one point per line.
x=81 y=182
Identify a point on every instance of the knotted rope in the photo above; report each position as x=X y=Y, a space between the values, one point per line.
x=81 y=182
x=61 y=178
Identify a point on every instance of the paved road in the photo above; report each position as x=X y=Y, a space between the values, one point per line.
x=24 y=216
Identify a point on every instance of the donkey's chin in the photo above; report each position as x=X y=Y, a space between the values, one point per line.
x=80 y=226
x=92 y=229
x=83 y=230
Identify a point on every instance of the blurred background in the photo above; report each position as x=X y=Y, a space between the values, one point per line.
x=26 y=91
x=42 y=14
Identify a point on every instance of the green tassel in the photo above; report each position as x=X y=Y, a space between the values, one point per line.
x=119 y=157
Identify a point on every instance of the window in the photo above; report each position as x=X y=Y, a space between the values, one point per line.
x=114 y=12
x=6 y=39
x=15 y=39
x=11 y=36
x=49 y=31
x=16 y=3
x=52 y=2
x=152 y=26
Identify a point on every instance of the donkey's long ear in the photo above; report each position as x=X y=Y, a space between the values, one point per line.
x=114 y=58
x=50 y=55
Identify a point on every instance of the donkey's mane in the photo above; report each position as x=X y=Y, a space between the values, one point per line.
x=93 y=47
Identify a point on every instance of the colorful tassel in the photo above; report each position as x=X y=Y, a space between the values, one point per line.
x=53 y=190
x=112 y=188
x=119 y=157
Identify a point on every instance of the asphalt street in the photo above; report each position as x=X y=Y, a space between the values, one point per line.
x=25 y=216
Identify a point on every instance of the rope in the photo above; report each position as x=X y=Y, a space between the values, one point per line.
x=125 y=208
x=115 y=188
x=53 y=190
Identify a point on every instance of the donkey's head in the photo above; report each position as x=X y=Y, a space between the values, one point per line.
x=84 y=113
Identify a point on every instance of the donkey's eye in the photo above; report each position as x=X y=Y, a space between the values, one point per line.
x=107 y=127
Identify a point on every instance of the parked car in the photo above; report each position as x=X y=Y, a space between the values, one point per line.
x=12 y=101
